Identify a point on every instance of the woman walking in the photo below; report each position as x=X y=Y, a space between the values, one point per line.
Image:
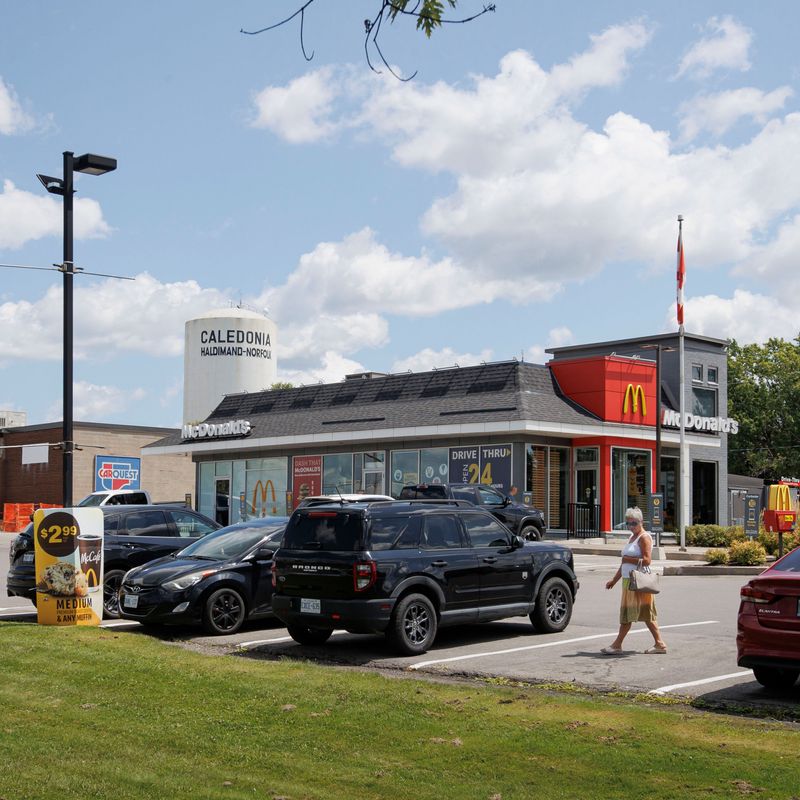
x=635 y=606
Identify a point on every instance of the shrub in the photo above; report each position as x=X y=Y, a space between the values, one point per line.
x=717 y=556
x=737 y=533
x=769 y=541
x=747 y=554
x=707 y=536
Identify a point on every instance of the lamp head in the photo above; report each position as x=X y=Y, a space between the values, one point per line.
x=93 y=164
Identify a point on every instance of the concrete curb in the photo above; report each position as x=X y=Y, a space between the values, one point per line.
x=707 y=569
x=669 y=555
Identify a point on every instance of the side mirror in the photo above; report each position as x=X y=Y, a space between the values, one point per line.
x=508 y=500
x=517 y=542
x=264 y=553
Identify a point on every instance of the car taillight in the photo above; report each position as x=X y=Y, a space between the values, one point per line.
x=749 y=594
x=364 y=574
x=274 y=576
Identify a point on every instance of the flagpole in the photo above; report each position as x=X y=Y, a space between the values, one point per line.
x=685 y=518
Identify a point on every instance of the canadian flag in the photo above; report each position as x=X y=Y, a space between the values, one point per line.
x=681 y=275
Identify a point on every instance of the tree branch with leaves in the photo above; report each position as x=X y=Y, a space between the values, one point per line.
x=429 y=14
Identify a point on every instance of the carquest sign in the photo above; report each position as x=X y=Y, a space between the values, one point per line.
x=116 y=472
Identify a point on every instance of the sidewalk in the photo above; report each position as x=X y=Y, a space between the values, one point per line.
x=691 y=561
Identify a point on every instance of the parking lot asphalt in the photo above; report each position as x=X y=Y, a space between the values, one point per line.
x=697 y=615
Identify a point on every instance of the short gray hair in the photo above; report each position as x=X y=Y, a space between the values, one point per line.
x=634 y=513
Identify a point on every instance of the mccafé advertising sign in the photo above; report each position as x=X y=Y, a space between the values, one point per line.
x=68 y=552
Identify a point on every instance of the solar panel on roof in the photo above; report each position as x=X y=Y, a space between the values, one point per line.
x=263 y=406
x=228 y=407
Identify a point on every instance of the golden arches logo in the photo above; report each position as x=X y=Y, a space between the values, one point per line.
x=632 y=396
x=264 y=488
x=91 y=577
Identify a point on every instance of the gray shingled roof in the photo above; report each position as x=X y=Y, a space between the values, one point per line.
x=493 y=392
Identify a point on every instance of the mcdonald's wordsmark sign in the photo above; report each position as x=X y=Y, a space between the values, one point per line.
x=116 y=472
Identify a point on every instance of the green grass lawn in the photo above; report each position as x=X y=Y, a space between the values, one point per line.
x=93 y=713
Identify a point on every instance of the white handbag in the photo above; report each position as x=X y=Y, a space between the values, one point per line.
x=643 y=580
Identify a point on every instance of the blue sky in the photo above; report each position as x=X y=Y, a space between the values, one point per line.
x=520 y=192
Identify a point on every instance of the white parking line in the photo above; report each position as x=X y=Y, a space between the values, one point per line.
x=278 y=640
x=552 y=644
x=17 y=613
x=14 y=608
x=715 y=679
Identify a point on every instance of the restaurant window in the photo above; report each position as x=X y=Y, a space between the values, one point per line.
x=405 y=469
x=546 y=482
x=433 y=464
x=265 y=487
x=337 y=473
x=713 y=375
x=630 y=483
x=704 y=402
x=697 y=372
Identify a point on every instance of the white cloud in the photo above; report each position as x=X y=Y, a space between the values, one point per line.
x=332 y=368
x=300 y=111
x=13 y=118
x=726 y=47
x=557 y=337
x=746 y=317
x=718 y=113
x=429 y=359
x=25 y=217
x=95 y=403
x=110 y=317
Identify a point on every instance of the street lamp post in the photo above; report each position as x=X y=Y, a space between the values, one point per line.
x=92 y=165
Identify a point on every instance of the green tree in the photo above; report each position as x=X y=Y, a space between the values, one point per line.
x=764 y=396
x=281 y=385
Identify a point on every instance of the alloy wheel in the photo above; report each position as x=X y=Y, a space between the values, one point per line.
x=416 y=623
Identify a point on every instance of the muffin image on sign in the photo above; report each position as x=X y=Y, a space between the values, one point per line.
x=64 y=580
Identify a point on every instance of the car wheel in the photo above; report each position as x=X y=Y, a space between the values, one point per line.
x=224 y=612
x=553 y=609
x=413 y=626
x=304 y=635
x=776 y=677
x=530 y=533
x=112 y=580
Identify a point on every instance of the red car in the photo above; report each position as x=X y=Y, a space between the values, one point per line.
x=768 y=638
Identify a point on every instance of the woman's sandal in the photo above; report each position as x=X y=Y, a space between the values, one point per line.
x=656 y=650
x=611 y=651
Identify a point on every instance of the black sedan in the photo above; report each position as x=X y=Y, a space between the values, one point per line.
x=221 y=580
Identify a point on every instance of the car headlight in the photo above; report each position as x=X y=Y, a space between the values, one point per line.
x=186 y=581
x=129 y=574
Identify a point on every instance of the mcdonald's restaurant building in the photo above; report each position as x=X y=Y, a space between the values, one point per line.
x=576 y=434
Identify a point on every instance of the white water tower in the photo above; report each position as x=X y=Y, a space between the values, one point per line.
x=227 y=351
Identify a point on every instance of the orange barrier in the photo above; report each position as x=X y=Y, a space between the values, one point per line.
x=17 y=515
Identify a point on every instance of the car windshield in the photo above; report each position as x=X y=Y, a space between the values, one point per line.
x=229 y=543
x=789 y=563
x=92 y=500
x=323 y=530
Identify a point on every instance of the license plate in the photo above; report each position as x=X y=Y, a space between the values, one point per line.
x=27 y=558
x=131 y=601
x=310 y=606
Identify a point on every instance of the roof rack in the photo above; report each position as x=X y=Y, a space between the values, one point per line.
x=426 y=502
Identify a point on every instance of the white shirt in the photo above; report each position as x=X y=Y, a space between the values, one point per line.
x=633 y=549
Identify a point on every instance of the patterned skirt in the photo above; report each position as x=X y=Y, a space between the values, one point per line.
x=636 y=606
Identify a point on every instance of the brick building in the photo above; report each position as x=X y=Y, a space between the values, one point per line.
x=31 y=464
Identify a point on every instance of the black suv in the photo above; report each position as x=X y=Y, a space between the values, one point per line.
x=134 y=535
x=407 y=568
x=525 y=521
